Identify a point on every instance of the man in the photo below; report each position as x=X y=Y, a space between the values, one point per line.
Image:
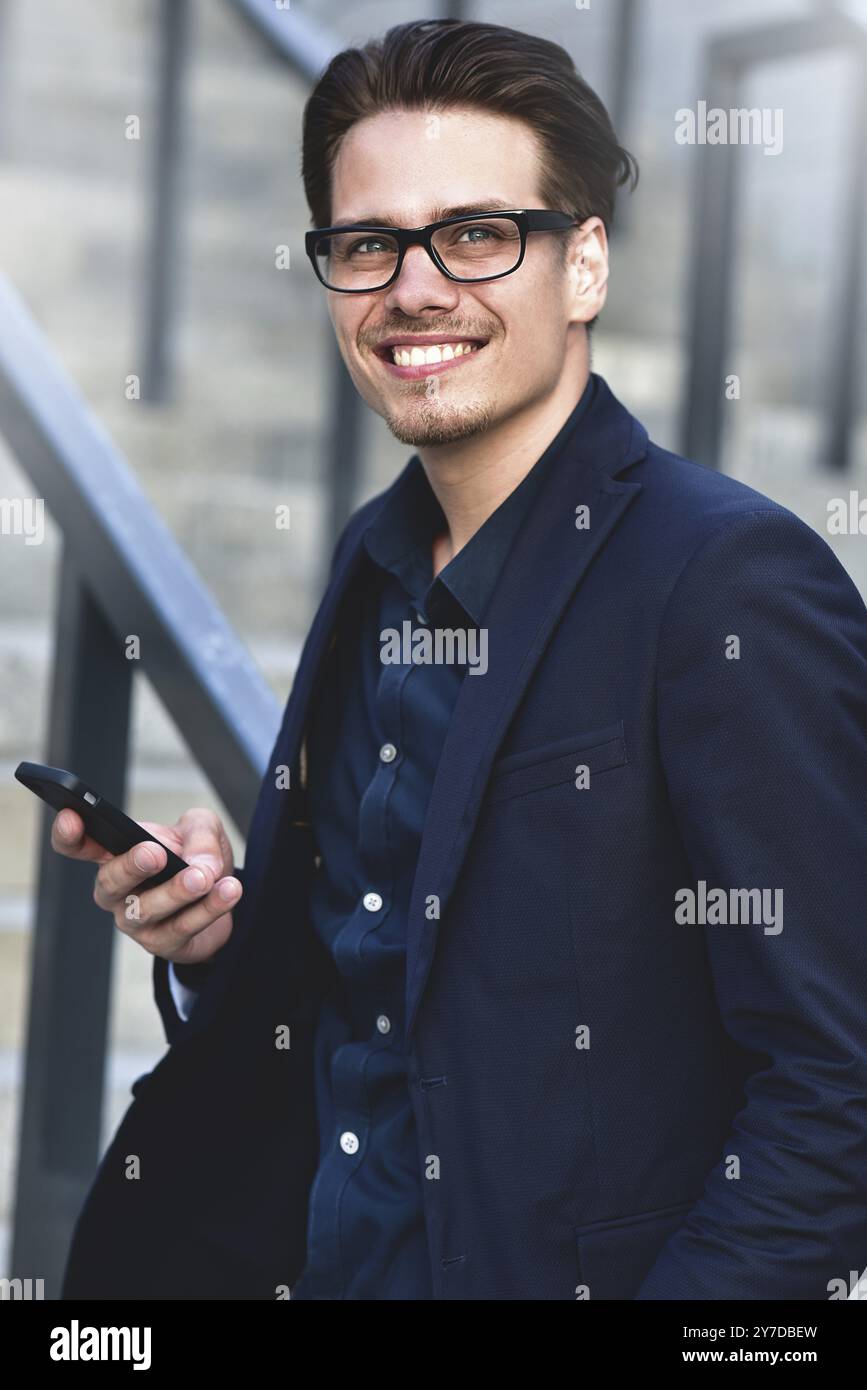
x=548 y=979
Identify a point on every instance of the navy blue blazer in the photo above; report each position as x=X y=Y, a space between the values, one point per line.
x=612 y=1102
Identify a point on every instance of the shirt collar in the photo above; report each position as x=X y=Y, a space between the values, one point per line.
x=401 y=536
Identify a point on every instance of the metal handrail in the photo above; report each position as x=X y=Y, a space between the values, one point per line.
x=132 y=565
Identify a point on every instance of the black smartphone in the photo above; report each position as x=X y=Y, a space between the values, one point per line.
x=105 y=822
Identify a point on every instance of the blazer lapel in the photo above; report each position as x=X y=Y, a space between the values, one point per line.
x=539 y=576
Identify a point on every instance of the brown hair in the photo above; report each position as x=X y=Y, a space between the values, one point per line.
x=437 y=63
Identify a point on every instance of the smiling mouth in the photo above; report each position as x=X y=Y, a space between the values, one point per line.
x=413 y=359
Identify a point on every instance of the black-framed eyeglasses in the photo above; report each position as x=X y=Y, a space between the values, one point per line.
x=362 y=258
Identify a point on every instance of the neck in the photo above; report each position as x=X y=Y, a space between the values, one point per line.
x=472 y=477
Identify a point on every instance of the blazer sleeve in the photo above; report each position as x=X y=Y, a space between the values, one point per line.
x=762 y=725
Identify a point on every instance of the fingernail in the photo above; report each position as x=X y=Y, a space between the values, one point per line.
x=207 y=861
x=145 y=858
x=228 y=889
x=194 y=879
x=64 y=825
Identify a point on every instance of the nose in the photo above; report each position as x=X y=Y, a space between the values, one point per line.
x=421 y=285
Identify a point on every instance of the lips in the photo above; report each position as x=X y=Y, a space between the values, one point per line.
x=423 y=340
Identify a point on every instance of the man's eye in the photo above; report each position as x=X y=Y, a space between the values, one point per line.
x=488 y=233
x=357 y=247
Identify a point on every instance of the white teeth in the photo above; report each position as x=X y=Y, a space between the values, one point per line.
x=437 y=352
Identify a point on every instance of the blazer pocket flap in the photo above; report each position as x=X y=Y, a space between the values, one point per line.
x=553 y=763
x=615 y=1256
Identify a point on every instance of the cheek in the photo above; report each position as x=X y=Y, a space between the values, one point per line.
x=535 y=348
x=535 y=328
x=345 y=324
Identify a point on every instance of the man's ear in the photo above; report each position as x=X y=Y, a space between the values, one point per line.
x=587 y=263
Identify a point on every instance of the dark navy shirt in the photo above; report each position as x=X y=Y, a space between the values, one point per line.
x=374 y=739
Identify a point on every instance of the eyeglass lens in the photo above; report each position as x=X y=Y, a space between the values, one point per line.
x=471 y=250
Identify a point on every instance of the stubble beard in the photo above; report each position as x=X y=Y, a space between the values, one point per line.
x=430 y=422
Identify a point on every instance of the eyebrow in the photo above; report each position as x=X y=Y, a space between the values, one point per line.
x=438 y=214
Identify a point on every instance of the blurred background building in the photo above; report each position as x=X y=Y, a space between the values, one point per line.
x=155 y=258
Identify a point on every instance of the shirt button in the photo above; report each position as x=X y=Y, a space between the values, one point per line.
x=388 y=752
x=349 y=1142
x=383 y=1023
x=372 y=901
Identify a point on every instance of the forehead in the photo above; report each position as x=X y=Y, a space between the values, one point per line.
x=408 y=166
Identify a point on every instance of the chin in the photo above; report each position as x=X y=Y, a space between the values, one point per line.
x=428 y=427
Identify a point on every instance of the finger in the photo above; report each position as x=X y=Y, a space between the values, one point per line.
x=171 y=937
x=164 y=900
x=122 y=873
x=165 y=834
x=204 y=841
x=69 y=837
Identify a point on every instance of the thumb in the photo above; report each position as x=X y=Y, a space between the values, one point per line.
x=202 y=840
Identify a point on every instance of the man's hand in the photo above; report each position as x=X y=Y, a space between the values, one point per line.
x=181 y=921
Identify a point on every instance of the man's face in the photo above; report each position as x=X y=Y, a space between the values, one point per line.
x=400 y=168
